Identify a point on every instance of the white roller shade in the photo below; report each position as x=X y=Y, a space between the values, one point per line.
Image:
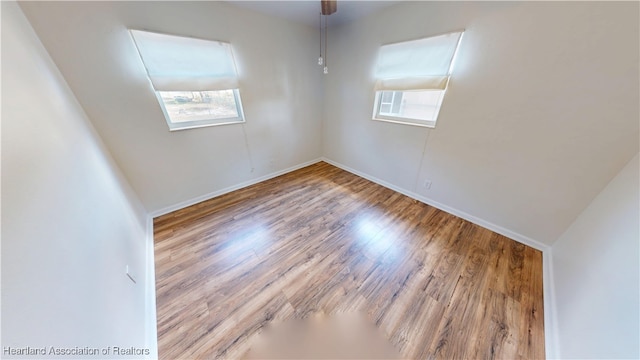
x=417 y=64
x=176 y=63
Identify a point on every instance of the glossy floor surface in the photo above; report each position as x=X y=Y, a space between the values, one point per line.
x=320 y=240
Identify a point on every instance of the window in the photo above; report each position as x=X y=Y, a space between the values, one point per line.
x=201 y=107
x=195 y=80
x=413 y=78
x=390 y=102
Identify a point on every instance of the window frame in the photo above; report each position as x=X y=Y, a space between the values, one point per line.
x=186 y=125
x=377 y=105
x=401 y=119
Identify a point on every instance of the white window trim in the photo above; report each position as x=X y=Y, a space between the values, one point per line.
x=186 y=125
x=406 y=85
x=401 y=120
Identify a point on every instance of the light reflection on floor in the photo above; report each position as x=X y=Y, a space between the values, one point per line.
x=376 y=241
x=256 y=237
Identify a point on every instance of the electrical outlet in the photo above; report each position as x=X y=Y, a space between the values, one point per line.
x=427 y=184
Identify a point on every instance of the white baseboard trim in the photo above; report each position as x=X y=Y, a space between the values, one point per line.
x=549 y=298
x=547 y=268
x=151 y=332
x=550 y=317
x=461 y=214
x=211 y=195
x=151 y=328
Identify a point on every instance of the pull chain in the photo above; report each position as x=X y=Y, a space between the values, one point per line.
x=326 y=62
x=320 y=60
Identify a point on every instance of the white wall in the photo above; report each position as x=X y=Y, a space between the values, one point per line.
x=541 y=114
x=70 y=224
x=595 y=264
x=281 y=91
x=542 y=109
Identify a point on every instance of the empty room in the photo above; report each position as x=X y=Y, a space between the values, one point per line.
x=320 y=179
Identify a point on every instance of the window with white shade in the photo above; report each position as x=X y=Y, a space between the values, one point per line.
x=195 y=80
x=412 y=78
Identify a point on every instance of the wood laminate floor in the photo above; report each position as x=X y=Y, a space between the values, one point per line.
x=322 y=240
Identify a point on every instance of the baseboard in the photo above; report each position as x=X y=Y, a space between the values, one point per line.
x=150 y=292
x=547 y=268
x=461 y=214
x=548 y=290
x=550 y=317
x=211 y=195
x=151 y=329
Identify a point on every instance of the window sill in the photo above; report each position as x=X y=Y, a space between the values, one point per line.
x=413 y=122
x=203 y=123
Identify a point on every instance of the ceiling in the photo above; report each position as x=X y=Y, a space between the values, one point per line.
x=306 y=11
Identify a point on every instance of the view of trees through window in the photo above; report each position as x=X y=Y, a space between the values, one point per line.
x=182 y=106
